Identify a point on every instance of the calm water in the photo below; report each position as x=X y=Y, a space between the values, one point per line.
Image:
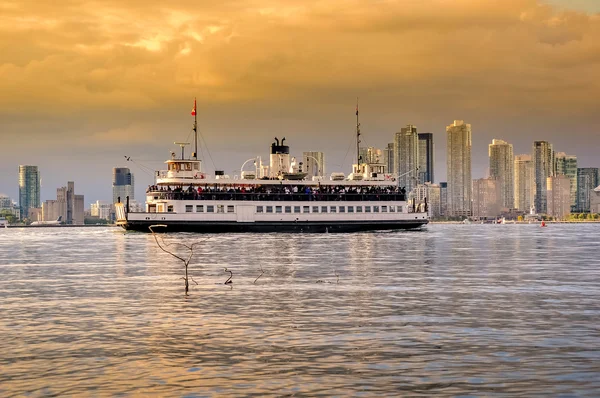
x=451 y=310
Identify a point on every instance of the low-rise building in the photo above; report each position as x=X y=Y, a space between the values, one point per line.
x=101 y=209
x=486 y=198
x=35 y=214
x=431 y=193
x=558 y=196
x=595 y=200
x=9 y=208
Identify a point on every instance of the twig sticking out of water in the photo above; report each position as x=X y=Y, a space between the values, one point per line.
x=261 y=274
x=337 y=276
x=185 y=261
x=230 y=276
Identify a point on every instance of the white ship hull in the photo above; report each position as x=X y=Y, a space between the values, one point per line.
x=277 y=216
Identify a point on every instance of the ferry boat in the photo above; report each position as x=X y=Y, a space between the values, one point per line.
x=274 y=198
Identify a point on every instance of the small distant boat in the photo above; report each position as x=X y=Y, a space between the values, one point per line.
x=543 y=224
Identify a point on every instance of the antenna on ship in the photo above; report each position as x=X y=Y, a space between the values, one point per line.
x=357 y=135
x=195 y=153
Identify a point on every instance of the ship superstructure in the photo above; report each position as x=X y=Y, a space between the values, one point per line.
x=276 y=197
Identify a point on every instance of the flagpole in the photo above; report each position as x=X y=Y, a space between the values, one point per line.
x=195 y=131
x=357 y=135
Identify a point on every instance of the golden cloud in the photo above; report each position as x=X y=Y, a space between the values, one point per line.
x=73 y=55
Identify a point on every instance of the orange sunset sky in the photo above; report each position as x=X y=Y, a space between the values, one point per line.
x=83 y=83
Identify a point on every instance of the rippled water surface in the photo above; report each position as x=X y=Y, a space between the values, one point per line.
x=450 y=310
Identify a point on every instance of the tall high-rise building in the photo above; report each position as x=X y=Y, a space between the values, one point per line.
x=543 y=167
x=123 y=184
x=487 y=198
x=566 y=165
x=459 y=169
x=559 y=196
x=388 y=158
x=443 y=199
x=425 y=158
x=29 y=189
x=524 y=183
x=587 y=180
x=314 y=163
x=406 y=156
x=502 y=169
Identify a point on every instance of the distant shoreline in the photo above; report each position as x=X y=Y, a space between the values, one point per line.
x=519 y=222
x=63 y=226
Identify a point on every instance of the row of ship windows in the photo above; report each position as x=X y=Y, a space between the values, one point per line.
x=296 y=209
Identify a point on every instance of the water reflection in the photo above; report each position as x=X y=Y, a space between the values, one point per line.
x=451 y=310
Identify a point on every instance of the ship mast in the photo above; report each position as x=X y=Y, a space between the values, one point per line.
x=357 y=135
x=194 y=113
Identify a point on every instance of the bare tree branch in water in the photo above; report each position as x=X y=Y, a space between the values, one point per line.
x=185 y=261
x=261 y=274
x=228 y=281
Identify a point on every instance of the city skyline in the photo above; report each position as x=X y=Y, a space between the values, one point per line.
x=79 y=90
x=559 y=160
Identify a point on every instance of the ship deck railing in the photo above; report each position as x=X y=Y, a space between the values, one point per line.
x=279 y=197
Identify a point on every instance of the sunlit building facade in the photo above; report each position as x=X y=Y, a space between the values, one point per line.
x=101 y=209
x=459 y=169
x=502 y=169
x=406 y=156
x=314 y=163
x=524 y=183
x=543 y=167
x=431 y=193
x=487 y=198
x=595 y=200
x=67 y=205
x=567 y=165
x=559 y=196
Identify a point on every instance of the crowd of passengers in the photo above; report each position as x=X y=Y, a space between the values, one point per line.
x=280 y=192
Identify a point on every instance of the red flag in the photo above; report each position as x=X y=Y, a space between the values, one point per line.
x=194 y=108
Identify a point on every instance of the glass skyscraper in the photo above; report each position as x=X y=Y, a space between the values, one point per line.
x=543 y=167
x=29 y=189
x=425 y=158
x=123 y=184
x=587 y=180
